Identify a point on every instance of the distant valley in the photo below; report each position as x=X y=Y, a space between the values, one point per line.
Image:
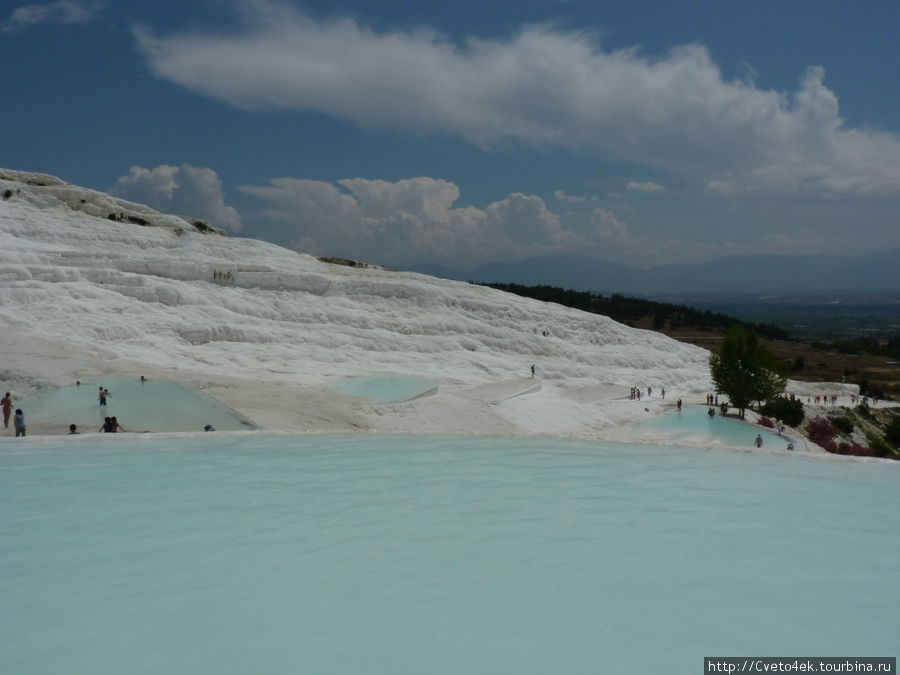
x=746 y=275
x=811 y=297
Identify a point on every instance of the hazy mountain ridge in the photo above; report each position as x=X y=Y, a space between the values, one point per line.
x=873 y=273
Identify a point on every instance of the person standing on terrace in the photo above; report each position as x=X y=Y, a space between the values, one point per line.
x=6 y=403
x=19 y=421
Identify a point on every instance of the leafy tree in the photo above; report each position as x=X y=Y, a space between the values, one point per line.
x=745 y=370
x=892 y=433
x=844 y=424
x=782 y=408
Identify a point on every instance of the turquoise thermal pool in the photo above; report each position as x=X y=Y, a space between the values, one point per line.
x=386 y=388
x=153 y=405
x=693 y=424
x=350 y=554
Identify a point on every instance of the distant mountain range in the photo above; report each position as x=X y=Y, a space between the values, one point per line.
x=874 y=273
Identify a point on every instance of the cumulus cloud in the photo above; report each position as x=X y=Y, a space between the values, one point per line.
x=418 y=220
x=616 y=241
x=61 y=11
x=543 y=86
x=182 y=190
x=411 y=220
x=607 y=226
x=421 y=220
x=648 y=187
x=563 y=197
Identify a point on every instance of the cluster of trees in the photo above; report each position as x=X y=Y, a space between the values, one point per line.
x=624 y=309
x=866 y=345
x=788 y=410
x=745 y=370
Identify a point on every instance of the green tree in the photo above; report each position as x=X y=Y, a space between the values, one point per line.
x=782 y=408
x=892 y=433
x=744 y=370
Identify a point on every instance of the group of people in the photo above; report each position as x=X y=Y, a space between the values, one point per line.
x=110 y=424
x=18 y=419
x=635 y=394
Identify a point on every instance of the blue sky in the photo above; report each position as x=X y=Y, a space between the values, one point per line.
x=402 y=132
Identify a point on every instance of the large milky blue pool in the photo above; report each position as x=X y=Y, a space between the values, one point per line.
x=154 y=405
x=363 y=554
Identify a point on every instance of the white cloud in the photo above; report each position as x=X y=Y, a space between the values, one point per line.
x=607 y=226
x=563 y=197
x=186 y=190
x=809 y=240
x=648 y=187
x=543 y=86
x=61 y=11
x=410 y=220
x=419 y=220
x=616 y=241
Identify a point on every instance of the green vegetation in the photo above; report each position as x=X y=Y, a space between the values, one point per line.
x=811 y=317
x=626 y=310
x=844 y=424
x=839 y=433
x=347 y=262
x=869 y=345
x=892 y=433
x=789 y=411
x=201 y=225
x=745 y=370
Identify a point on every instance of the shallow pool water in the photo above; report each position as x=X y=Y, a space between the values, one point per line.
x=386 y=388
x=153 y=405
x=693 y=424
x=236 y=554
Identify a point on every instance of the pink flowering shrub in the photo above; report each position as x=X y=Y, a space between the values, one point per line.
x=822 y=433
x=855 y=449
